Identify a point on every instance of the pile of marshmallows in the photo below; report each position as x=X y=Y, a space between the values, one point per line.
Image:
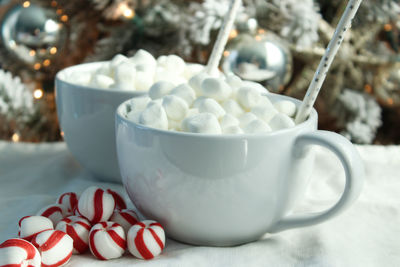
x=211 y=105
x=137 y=73
x=99 y=220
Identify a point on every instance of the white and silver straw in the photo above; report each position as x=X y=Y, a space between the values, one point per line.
x=222 y=37
x=326 y=61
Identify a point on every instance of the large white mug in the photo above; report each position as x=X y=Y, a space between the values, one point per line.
x=228 y=189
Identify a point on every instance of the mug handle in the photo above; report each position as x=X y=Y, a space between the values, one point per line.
x=354 y=172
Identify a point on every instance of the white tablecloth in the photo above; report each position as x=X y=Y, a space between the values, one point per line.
x=368 y=234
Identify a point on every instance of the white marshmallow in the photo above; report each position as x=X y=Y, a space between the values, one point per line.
x=245 y=118
x=185 y=92
x=138 y=104
x=216 y=88
x=202 y=123
x=143 y=57
x=101 y=81
x=228 y=120
x=143 y=81
x=104 y=69
x=29 y=226
x=234 y=129
x=198 y=101
x=154 y=116
x=285 y=106
x=161 y=60
x=96 y=205
x=175 y=107
x=211 y=106
x=234 y=81
x=124 y=76
x=281 y=121
x=232 y=107
x=149 y=69
x=248 y=97
x=196 y=81
x=19 y=252
x=191 y=112
x=192 y=69
x=174 y=125
x=257 y=126
x=160 y=89
x=264 y=112
x=133 y=116
x=81 y=78
x=116 y=60
x=163 y=74
x=256 y=86
x=174 y=64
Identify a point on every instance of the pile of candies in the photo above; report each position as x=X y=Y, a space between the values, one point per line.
x=137 y=73
x=211 y=105
x=99 y=221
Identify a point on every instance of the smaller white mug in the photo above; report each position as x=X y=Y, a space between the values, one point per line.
x=228 y=189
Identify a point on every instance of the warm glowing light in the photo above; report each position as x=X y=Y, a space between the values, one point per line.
x=368 y=88
x=226 y=53
x=26 y=4
x=53 y=50
x=53 y=3
x=233 y=34
x=46 y=62
x=258 y=37
x=390 y=101
x=64 y=18
x=15 y=137
x=38 y=93
x=59 y=11
x=37 y=66
x=62 y=133
x=129 y=13
x=32 y=53
x=387 y=27
x=261 y=31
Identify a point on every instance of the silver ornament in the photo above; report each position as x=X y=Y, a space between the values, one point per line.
x=261 y=57
x=31 y=32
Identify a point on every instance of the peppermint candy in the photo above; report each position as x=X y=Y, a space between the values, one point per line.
x=96 y=205
x=55 y=247
x=146 y=239
x=126 y=218
x=55 y=212
x=29 y=226
x=78 y=229
x=69 y=200
x=119 y=201
x=107 y=240
x=19 y=252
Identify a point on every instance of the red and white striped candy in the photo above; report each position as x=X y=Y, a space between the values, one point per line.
x=29 y=226
x=126 y=218
x=146 y=239
x=119 y=201
x=107 y=240
x=18 y=253
x=96 y=205
x=55 y=212
x=69 y=200
x=78 y=229
x=55 y=247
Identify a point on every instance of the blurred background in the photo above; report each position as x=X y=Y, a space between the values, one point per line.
x=277 y=43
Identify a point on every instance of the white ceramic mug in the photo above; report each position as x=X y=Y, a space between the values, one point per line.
x=86 y=116
x=228 y=189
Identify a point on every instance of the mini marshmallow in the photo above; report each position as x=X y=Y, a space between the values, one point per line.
x=104 y=69
x=192 y=69
x=258 y=87
x=234 y=129
x=126 y=218
x=175 y=64
x=216 y=88
x=257 y=126
x=118 y=199
x=124 y=76
x=234 y=81
x=196 y=81
x=198 y=101
x=79 y=78
x=202 y=123
x=96 y=205
x=146 y=239
x=154 y=116
x=143 y=57
x=286 y=107
x=117 y=60
x=101 y=81
x=211 y=106
x=185 y=92
x=228 y=120
x=133 y=116
x=174 y=125
x=248 y=97
x=55 y=212
x=245 y=118
x=175 y=107
x=143 y=81
x=55 y=247
x=69 y=200
x=281 y=121
x=160 y=89
x=78 y=229
x=264 y=112
x=107 y=240
x=30 y=226
x=19 y=252
x=138 y=104
x=163 y=74
x=232 y=107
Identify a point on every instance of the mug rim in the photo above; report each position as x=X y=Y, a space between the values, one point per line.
x=59 y=79
x=307 y=123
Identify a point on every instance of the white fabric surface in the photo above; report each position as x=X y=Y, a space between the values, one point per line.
x=368 y=234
